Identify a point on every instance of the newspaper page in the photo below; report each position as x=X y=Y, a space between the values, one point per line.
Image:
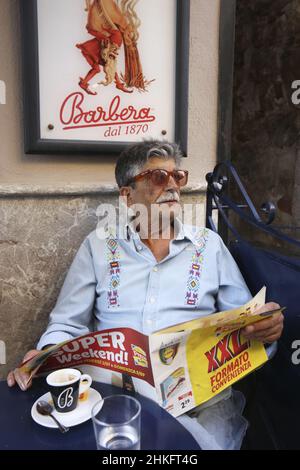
x=194 y=361
x=122 y=350
x=180 y=367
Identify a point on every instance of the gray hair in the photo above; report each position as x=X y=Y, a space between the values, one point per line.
x=133 y=158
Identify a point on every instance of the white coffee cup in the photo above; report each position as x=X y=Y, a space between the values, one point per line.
x=66 y=385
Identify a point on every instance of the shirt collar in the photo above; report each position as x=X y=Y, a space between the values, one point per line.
x=192 y=233
x=183 y=231
x=127 y=231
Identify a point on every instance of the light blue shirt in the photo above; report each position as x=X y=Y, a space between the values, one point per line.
x=117 y=282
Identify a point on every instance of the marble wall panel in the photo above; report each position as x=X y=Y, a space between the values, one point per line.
x=38 y=240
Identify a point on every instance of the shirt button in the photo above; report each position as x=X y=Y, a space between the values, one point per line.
x=139 y=247
x=152 y=300
x=155 y=269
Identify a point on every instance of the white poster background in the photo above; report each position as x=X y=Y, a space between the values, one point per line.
x=62 y=25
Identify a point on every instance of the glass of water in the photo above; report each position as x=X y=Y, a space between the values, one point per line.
x=117 y=423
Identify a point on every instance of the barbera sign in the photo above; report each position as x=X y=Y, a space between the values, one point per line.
x=74 y=114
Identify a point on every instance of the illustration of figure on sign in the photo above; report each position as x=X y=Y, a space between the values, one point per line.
x=113 y=23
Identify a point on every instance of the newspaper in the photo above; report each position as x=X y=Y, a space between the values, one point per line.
x=180 y=367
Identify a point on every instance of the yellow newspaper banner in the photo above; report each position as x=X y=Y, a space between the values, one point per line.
x=214 y=366
x=196 y=360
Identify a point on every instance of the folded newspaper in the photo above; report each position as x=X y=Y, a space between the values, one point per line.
x=180 y=367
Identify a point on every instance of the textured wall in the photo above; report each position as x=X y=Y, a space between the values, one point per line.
x=266 y=123
x=203 y=88
x=38 y=240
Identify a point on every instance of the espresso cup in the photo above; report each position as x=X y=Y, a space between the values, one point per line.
x=65 y=387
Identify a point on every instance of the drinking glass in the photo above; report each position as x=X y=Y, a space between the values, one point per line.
x=117 y=423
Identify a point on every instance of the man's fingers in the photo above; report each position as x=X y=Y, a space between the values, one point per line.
x=21 y=379
x=30 y=354
x=269 y=333
x=11 y=379
x=267 y=307
x=267 y=323
x=271 y=339
x=267 y=330
x=16 y=377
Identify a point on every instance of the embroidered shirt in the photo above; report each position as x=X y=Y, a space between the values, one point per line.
x=117 y=282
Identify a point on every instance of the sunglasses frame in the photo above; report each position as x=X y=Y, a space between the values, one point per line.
x=150 y=172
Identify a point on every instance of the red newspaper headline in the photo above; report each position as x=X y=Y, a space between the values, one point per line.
x=121 y=350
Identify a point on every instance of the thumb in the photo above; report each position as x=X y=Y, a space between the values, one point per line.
x=30 y=354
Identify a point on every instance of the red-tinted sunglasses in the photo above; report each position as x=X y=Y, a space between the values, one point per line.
x=160 y=177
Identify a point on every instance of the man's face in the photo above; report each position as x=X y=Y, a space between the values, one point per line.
x=164 y=199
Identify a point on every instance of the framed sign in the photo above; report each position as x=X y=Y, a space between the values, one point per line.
x=99 y=74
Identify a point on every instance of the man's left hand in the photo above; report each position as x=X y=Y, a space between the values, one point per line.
x=267 y=330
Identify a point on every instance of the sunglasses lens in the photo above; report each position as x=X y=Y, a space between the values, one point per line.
x=159 y=177
x=180 y=177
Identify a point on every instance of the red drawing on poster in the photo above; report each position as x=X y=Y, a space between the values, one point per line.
x=113 y=24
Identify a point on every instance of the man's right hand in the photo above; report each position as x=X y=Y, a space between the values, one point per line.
x=22 y=379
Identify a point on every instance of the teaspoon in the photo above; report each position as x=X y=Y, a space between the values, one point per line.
x=45 y=409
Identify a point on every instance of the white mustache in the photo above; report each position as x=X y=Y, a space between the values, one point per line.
x=168 y=197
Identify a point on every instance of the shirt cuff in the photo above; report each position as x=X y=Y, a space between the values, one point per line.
x=271 y=349
x=53 y=338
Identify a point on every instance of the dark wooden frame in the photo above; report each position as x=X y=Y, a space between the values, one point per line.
x=226 y=65
x=225 y=91
x=33 y=142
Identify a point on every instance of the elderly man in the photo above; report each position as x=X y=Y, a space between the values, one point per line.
x=143 y=280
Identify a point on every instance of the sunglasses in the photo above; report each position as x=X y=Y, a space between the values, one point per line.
x=160 y=177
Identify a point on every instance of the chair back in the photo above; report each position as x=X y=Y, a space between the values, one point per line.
x=274 y=407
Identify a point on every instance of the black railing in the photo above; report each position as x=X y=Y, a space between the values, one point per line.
x=218 y=199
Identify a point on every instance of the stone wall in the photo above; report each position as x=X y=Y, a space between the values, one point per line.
x=266 y=124
x=38 y=240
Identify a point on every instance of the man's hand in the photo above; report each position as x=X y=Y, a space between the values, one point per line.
x=267 y=330
x=21 y=379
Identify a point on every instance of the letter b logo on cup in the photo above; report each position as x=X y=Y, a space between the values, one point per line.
x=65 y=386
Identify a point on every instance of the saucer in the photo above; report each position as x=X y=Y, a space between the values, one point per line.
x=81 y=413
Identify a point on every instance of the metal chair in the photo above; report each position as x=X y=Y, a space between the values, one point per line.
x=272 y=392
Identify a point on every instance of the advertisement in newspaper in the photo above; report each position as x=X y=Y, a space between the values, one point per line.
x=196 y=360
x=181 y=366
x=121 y=350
